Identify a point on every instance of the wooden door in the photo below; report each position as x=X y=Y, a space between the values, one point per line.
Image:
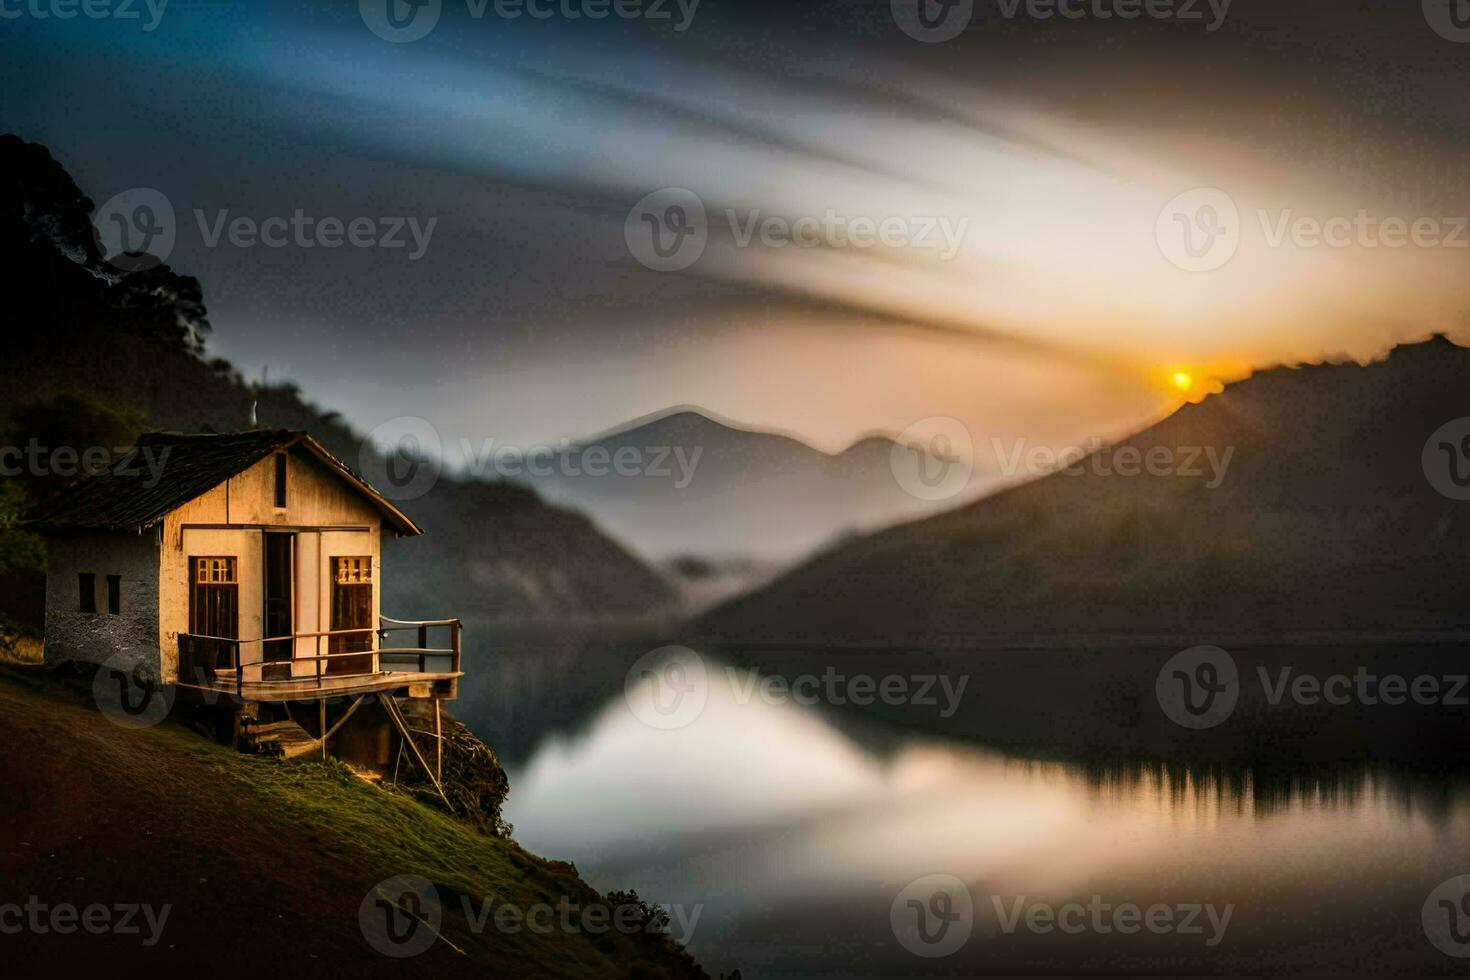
x=352 y=608
x=214 y=614
x=280 y=605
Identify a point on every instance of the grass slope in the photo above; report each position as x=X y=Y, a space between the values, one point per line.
x=264 y=863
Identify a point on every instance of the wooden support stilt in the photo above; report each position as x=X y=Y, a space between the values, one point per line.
x=393 y=713
x=321 y=728
x=438 y=740
x=343 y=720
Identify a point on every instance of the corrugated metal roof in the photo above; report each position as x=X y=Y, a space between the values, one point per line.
x=132 y=495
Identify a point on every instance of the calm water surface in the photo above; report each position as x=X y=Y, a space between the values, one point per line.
x=783 y=838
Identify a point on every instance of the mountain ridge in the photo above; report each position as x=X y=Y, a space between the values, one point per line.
x=1326 y=484
x=716 y=489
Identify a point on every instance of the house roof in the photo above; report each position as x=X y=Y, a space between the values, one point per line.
x=126 y=497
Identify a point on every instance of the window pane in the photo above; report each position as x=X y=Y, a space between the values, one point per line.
x=280 y=479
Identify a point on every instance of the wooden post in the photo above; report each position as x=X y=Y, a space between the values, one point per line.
x=321 y=731
x=438 y=741
x=413 y=750
x=343 y=720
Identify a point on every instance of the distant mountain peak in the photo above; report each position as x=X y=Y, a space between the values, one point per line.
x=690 y=420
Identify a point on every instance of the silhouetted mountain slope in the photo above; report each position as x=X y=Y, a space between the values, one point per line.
x=126 y=353
x=723 y=491
x=1324 y=522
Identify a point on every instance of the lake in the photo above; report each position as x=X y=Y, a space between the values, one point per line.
x=793 y=840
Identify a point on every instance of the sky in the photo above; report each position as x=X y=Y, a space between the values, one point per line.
x=1033 y=226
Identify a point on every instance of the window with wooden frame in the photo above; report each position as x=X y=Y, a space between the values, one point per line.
x=280 y=481
x=87 y=584
x=352 y=609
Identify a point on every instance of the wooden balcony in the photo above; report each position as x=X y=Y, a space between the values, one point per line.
x=240 y=668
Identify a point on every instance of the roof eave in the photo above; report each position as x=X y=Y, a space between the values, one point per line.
x=401 y=522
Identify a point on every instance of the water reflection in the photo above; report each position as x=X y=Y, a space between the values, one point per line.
x=793 y=830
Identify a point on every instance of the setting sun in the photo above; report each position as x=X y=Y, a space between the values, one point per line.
x=1183 y=381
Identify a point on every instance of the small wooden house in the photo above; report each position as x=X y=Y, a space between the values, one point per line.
x=246 y=564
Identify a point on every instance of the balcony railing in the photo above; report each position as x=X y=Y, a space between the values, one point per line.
x=215 y=660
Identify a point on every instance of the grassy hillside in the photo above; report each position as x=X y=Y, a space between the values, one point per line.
x=264 y=863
